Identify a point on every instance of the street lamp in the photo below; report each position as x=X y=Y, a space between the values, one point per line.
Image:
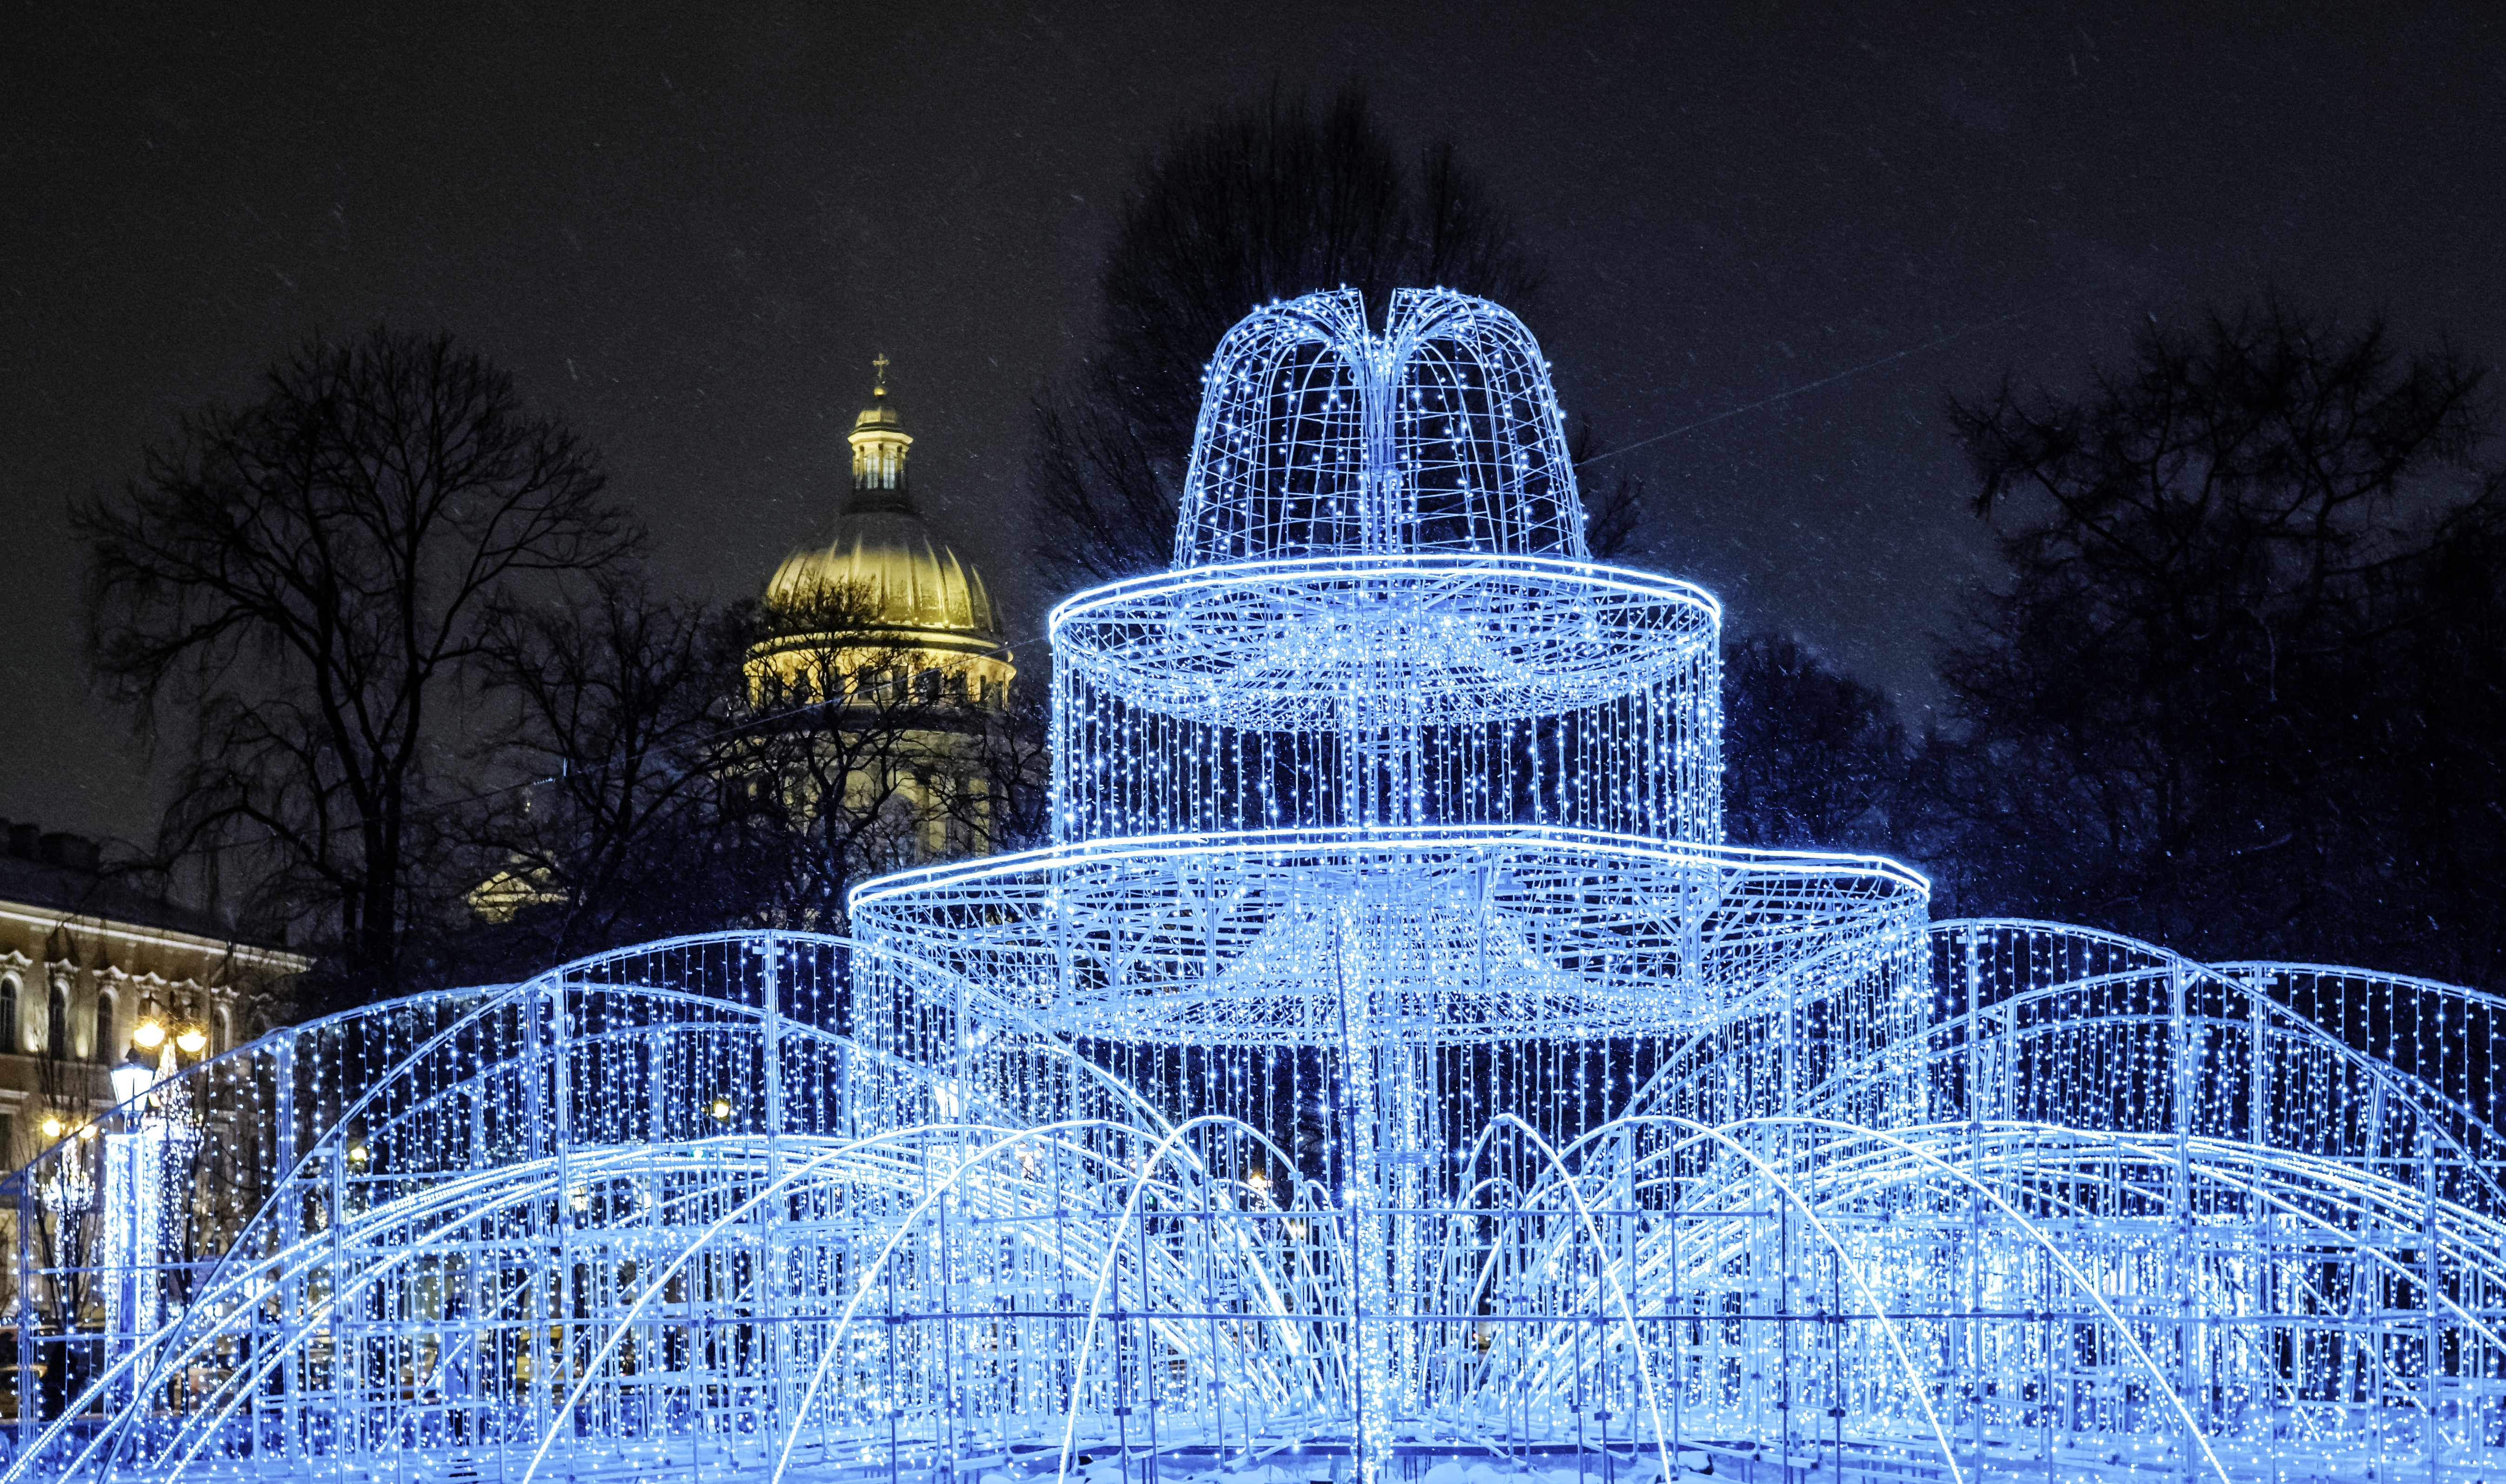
x=192 y=1041
x=132 y=1076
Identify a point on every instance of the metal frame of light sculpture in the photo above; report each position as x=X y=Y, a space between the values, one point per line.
x=1390 y=799
x=1387 y=1073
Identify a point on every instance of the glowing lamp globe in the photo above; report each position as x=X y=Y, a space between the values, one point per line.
x=131 y=1076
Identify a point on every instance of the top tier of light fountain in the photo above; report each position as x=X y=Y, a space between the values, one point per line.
x=1379 y=548
x=1320 y=438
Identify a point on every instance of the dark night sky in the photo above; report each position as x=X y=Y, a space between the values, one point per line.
x=687 y=231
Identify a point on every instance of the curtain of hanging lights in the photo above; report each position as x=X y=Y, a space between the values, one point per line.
x=1388 y=1075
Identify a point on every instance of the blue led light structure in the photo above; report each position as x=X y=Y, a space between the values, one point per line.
x=1388 y=1073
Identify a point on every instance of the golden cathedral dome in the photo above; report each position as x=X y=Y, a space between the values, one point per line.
x=882 y=570
x=888 y=565
x=883 y=580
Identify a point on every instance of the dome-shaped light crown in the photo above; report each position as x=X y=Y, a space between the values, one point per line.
x=1318 y=435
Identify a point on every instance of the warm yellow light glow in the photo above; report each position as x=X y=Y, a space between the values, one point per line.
x=148 y=1036
x=356 y=1153
x=87 y=1130
x=191 y=1040
x=53 y=1127
x=722 y=1108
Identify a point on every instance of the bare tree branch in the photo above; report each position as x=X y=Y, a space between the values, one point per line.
x=1240 y=208
x=303 y=583
x=2203 y=710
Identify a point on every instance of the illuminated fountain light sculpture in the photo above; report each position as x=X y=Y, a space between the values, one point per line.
x=1388 y=1073
x=1389 y=871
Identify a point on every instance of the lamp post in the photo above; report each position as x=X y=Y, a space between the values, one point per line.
x=151 y=1154
x=131 y=1076
x=126 y=1177
x=130 y=1187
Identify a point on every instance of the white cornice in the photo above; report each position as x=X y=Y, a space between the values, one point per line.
x=48 y=919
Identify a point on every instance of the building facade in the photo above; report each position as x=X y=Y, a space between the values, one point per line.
x=95 y=974
x=86 y=963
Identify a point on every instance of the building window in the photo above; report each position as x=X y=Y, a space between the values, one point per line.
x=102 y=1046
x=10 y=1040
x=56 y=1023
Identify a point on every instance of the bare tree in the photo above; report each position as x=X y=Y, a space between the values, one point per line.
x=67 y=1186
x=621 y=703
x=305 y=582
x=2201 y=709
x=1613 y=495
x=1811 y=756
x=1242 y=207
x=1014 y=809
x=697 y=768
